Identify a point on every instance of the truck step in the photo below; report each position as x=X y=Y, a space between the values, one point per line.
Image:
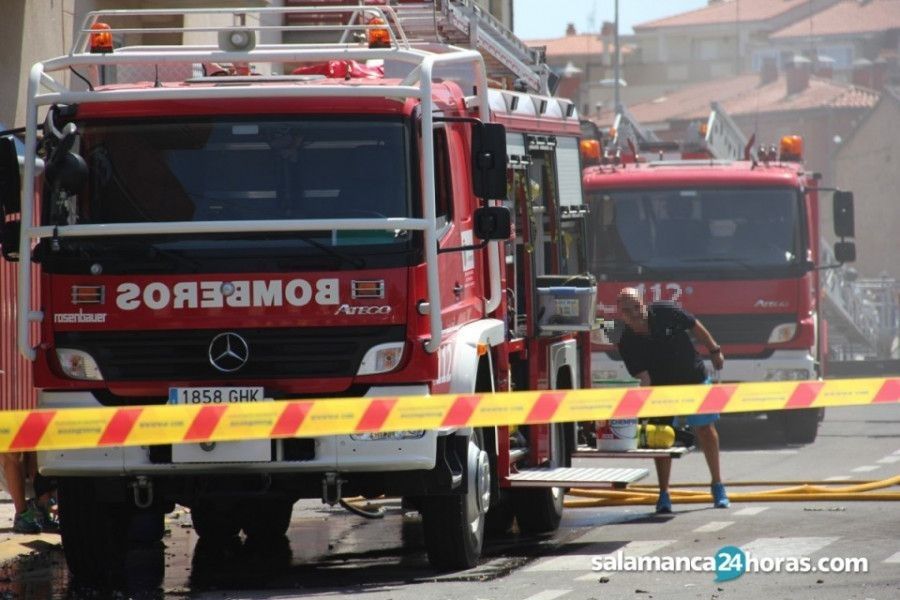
x=673 y=452
x=576 y=477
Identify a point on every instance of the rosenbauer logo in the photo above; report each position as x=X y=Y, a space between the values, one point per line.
x=235 y=294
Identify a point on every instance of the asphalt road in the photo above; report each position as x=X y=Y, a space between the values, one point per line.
x=330 y=552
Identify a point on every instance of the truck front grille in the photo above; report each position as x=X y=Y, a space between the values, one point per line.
x=744 y=329
x=273 y=353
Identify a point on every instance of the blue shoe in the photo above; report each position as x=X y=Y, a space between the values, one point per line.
x=664 y=504
x=720 y=498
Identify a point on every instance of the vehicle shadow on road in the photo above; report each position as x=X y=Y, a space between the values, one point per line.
x=748 y=433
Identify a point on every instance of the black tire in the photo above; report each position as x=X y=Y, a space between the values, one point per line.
x=215 y=521
x=146 y=526
x=267 y=519
x=94 y=534
x=454 y=525
x=801 y=426
x=500 y=518
x=540 y=510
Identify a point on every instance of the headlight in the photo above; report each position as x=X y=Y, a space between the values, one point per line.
x=783 y=333
x=412 y=434
x=78 y=364
x=787 y=374
x=381 y=358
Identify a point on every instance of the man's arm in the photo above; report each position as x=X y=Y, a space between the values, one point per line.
x=705 y=337
x=644 y=378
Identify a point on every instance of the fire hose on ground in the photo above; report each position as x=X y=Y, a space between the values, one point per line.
x=637 y=494
x=795 y=492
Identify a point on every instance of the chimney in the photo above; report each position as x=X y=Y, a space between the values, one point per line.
x=880 y=74
x=863 y=72
x=570 y=29
x=570 y=82
x=608 y=29
x=570 y=87
x=769 y=71
x=870 y=74
x=798 y=75
x=824 y=67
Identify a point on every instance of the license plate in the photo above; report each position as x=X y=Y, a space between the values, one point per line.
x=220 y=452
x=215 y=395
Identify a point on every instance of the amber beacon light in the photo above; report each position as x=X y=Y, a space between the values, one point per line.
x=791 y=147
x=101 y=38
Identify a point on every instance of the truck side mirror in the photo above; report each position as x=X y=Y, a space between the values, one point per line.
x=492 y=223
x=843 y=214
x=66 y=168
x=845 y=252
x=10 y=232
x=489 y=161
x=10 y=182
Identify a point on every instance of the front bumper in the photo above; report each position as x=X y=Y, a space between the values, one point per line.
x=605 y=371
x=327 y=454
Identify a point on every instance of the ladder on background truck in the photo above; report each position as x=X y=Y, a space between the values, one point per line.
x=719 y=139
x=628 y=129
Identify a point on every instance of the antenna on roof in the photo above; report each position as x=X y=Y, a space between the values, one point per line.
x=592 y=18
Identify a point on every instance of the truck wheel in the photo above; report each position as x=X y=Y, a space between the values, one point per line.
x=146 y=526
x=214 y=521
x=454 y=525
x=94 y=533
x=268 y=518
x=540 y=510
x=499 y=520
x=801 y=426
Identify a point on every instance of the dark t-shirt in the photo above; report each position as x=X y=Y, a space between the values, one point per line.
x=667 y=353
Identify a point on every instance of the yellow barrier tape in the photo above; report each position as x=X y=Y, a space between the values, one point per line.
x=167 y=424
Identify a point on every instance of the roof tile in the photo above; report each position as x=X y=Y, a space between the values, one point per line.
x=581 y=44
x=727 y=11
x=846 y=17
x=743 y=95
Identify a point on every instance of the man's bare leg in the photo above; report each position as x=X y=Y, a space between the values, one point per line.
x=708 y=438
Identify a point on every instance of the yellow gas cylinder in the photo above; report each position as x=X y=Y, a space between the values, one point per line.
x=657 y=436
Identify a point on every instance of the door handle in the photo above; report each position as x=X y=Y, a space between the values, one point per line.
x=457 y=290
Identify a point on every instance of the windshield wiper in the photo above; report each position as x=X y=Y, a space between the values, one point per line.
x=635 y=266
x=134 y=254
x=718 y=259
x=356 y=261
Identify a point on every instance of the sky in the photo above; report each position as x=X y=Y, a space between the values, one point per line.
x=540 y=19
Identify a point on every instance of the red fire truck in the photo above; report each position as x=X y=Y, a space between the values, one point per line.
x=368 y=217
x=732 y=238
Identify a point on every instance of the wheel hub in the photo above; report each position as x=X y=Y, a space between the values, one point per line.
x=483 y=482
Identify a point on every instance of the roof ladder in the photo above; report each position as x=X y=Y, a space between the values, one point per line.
x=464 y=23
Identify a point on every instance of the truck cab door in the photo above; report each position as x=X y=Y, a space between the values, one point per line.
x=462 y=286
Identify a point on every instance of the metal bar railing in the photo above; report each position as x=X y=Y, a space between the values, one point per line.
x=417 y=85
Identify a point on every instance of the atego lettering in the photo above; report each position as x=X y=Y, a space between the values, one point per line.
x=346 y=309
x=236 y=294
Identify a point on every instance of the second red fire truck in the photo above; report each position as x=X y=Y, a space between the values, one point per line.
x=734 y=238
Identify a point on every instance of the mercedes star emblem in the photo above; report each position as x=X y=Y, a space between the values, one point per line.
x=228 y=352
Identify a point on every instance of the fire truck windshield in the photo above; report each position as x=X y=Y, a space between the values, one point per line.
x=700 y=230
x=245 y=169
